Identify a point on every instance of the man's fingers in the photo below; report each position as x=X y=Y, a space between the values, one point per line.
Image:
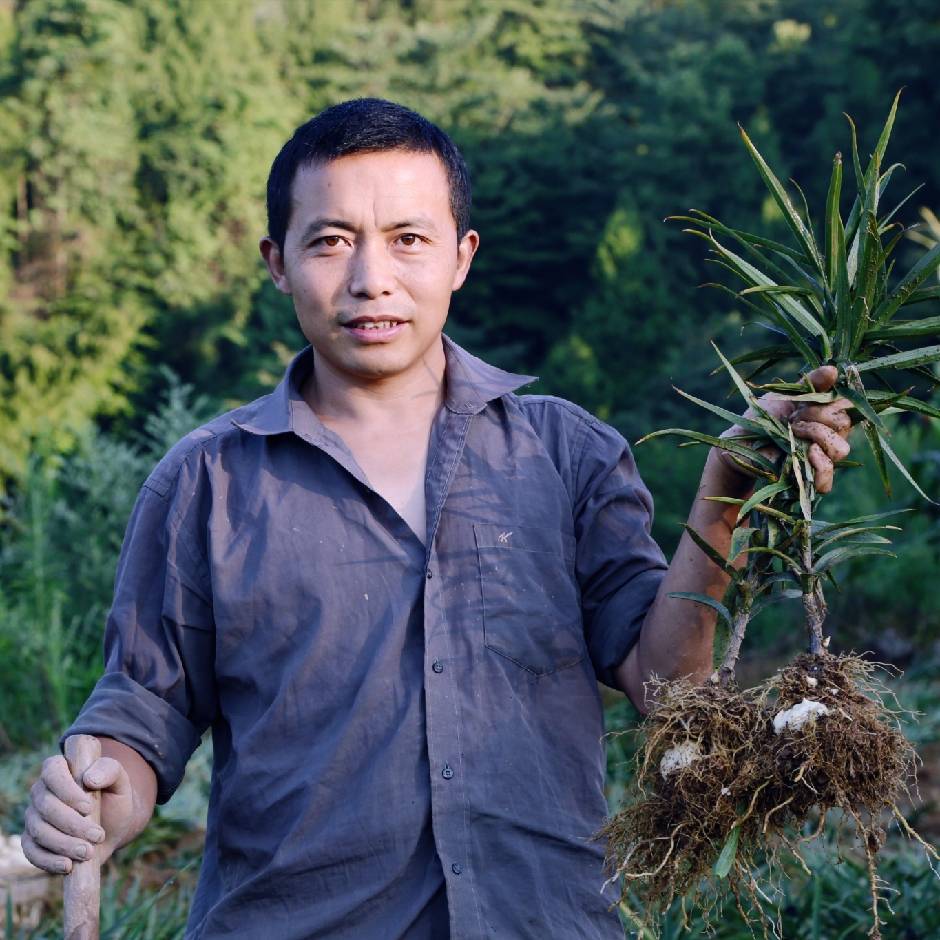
x=823 y=469
x=57 y=842
x=823 y=378
x=107 y=774
x=62 y=817
x=41 y=858
x=833 y=444
x=58 y=780
x=834 y=414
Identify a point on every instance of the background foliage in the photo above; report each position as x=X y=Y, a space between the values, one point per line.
x=135 y=140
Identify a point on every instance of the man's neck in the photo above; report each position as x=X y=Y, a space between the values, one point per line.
x=414 y=398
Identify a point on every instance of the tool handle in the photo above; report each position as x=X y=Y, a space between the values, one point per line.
x=82 y=888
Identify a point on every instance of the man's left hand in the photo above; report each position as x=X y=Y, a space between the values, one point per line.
x=826 y=426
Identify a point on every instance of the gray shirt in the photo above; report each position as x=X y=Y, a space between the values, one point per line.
x=407 y=740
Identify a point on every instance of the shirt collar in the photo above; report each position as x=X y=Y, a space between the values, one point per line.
x=469 y=383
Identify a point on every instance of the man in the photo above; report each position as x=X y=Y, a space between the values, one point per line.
x=389 y=588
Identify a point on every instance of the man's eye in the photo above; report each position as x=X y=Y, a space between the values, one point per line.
x=409 y=239
x=330 y=241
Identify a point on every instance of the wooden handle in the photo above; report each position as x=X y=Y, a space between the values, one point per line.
x=82 y=887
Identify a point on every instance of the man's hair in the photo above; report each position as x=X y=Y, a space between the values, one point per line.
x=363 y=125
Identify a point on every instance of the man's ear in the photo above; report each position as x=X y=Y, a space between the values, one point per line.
x=275 y=263
x=466 y=249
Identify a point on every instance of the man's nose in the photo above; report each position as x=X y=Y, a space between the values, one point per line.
x=372 y=273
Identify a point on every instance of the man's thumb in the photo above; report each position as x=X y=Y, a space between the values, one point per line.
x=107 y=774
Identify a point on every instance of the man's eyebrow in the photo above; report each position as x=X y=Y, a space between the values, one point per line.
x=321 y=222
x=416 y=221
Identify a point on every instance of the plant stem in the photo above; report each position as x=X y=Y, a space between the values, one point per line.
x=814 y=604
x=739 y=620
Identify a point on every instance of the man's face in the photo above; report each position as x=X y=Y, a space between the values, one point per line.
x=371 y=257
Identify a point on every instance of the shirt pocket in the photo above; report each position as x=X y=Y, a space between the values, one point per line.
x=531 y=603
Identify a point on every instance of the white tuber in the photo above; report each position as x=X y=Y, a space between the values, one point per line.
x=806 y=712
x=679 y=757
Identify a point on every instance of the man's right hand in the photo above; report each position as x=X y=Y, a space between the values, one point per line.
x=57 y=829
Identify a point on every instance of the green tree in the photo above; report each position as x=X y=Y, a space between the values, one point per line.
x=68 y=152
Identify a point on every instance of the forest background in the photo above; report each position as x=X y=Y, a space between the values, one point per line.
x=135 y=140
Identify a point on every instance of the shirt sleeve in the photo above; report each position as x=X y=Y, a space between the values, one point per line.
x=619 y=565
x=157 y=694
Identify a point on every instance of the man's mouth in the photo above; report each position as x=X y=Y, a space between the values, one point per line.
x=374 y=328
x=372 y=324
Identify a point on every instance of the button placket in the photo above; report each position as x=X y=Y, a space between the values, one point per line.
x=448 y=798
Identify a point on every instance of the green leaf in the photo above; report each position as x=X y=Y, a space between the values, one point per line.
x=806 y=507
x=851 y=225
x=857 y=535
x=759 y=310
x=760 y=507
x=767 y=550
x=821 y=528
x=906 y=403
x=887 y=218
x=765 y=492
x=815 y=398
x=861 y=403
x=773 y=532
x=707 y=601
x=838 y=272
x=751 y=243
x=922 y=294
x=869 y=264
x=760 y=462
x=874 y=442
x=881 y=147
x=791 y=307
x=906 y=359
x=893 y=457
x=845 y=553
x=925 y=266
x=757 y=425
x=905 y=328
x=747 y=394
x=744 y=238
x=766 y=364
x=778 y=289
x=740 y=538
x=792 y=217
x=712 y=553
x=765 y=352
x=726 y=857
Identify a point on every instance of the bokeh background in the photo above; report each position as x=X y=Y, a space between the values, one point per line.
x=135 y=140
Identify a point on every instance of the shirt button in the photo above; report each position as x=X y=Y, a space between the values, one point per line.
x=437 y=666
x=456 y=869
x=429 y=575
x=447 y=772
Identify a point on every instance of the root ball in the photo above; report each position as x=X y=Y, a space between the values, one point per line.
x=696 y=777
x=847 y=751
